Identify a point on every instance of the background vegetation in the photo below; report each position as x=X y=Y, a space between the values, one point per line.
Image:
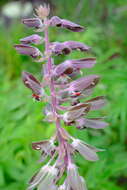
x=21 y=118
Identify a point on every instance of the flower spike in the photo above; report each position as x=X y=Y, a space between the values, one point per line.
x=66 y=102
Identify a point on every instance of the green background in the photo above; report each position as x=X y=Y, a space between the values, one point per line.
x=21 y=117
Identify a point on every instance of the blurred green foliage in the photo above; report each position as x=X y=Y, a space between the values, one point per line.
x=21 y=118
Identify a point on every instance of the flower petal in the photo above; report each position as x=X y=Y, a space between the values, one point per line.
x=77 y=45
x=63 y=23
x=97 y=103
x=83 y=63
x=83 y=83
x=87 y=151
x=95 y=123
x=75 y=112
x=32 y=83
x=74 y=181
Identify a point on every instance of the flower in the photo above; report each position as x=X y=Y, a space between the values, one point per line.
x=46 y=147
x=97 y=102
x=35 y=39
x=95 y=123
x=44 y=179
x=33 y=23
x=86 y=150
x=75 y=112
x=32 y=83
x=56 y=21
x=74 y=181
x=70 y=66
x=82 y=84
x=66 y=47
x=28 y=50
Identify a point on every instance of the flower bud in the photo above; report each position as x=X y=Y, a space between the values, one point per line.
x=43 y=11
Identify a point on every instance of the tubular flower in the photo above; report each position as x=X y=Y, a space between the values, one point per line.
x=35 y=39
x=65 y=101
x=33 y=23
x=70 y=66
x=28 y=50
x=56 y=21
x=66 y=47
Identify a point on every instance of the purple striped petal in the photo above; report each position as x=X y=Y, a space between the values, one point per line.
x=35 y=39
x=97 y=103
x=33 y=22
x=56 y=21
x=28 y=50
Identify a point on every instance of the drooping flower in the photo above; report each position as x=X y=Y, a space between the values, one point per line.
x=28 y=50
x=35 y=39
x=44 y=179
x=74 y=181
x=87 y=151
x=56 y=21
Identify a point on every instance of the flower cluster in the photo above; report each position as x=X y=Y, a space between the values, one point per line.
x=66 y=102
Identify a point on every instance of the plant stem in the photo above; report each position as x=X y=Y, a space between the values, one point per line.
x=51 y=81
x=61 y=140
